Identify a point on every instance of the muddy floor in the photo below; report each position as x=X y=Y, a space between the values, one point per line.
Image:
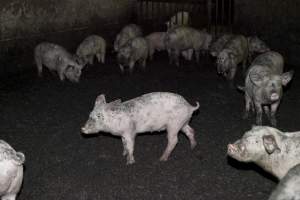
x=42 y=118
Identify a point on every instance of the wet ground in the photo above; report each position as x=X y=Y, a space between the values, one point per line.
x=42 y=118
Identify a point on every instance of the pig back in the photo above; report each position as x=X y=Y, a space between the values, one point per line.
x=272 y=61
x=155 y=111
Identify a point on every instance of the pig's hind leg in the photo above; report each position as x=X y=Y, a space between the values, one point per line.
x=190 y=133
x=172 y=141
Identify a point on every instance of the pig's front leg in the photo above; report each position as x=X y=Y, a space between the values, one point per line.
x=125 y=152
x=9 y=197
x=274 y=107
x=258 y=109
x=129 y=147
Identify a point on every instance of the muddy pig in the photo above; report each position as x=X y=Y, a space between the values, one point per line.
x=184 y=38
x=234 y=52
x=288 y=187
x=11 y=171
x=127 y=33
x=150 y=112
x=135 y=50
x=180 y=18
x=90 y=47
x=263 y=85
x=56 y=58
x=274 y=151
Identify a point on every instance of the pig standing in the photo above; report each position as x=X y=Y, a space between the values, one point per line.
x=235 y=51
x=11 y=171
x=263 y=85
x=184 y=38
x=135 y=50
x=150 y=112
x=56 y=58
x=288 y=187
x=90 y=47
x=179 y=19
x=127 y=33
x=275 y=151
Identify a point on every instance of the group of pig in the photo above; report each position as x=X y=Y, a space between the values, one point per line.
x=276 y=152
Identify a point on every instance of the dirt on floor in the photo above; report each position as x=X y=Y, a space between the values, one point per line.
x=42 y=118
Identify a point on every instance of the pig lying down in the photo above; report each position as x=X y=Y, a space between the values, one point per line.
x=275 y=151
x=11 y=171
x=263 y=85
x=150 y=112
x=56 y=58
x=288 y=188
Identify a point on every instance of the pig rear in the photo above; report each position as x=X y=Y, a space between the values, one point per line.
x=150 y=112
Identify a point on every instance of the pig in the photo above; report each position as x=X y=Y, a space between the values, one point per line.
x=256 y=45
x=234 y=52
x=263 y=85
x=127 y=33
x=274 y=151
x=135 y=50
x=218 y=45
x=56 y=58
x=90 y=47
x=150 y=112
x=288 y=187
x=179 y=19
x=11 y=171
x=156 y=41
x=182 y=38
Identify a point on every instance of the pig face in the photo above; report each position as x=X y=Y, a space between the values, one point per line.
x=95 y=123
x=225 y=61
x=257 y=142
x=73 y=73
x=271 y=85
x=124 y=55
x=257 y=45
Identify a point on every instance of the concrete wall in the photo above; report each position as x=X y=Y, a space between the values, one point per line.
x=276 y=21
x=24 y=23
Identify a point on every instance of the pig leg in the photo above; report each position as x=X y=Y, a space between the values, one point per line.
x=103 y=56
x=175 y=56
x=274 y=107
x=248 y=105
x=267 y=111
x=131 y=65
x=190 y=133
x=122 y=68
x=197 y=54
x=172 y=141
x=258 y=109
x=125 y=152
x=129 y=145
x=98 y=56
x=9 y=197
x=61 y=70
x=39 y=66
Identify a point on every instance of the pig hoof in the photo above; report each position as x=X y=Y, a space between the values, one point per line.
x=193 y=145
x=130 y=162
x=163 y=158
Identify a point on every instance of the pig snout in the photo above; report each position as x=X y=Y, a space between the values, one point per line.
x=235 y=149
x=274 y=97
x=89 y=127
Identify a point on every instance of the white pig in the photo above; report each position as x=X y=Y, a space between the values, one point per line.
x=275 y=151
x=11 y=171
x=150 y=112
x=90 y=47
x=127 y=33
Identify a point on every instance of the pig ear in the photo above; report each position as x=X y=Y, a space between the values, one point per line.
x=100 y=100
x=287 y=77
x=270 y=144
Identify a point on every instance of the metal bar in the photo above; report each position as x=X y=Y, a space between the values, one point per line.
x=217 y=11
